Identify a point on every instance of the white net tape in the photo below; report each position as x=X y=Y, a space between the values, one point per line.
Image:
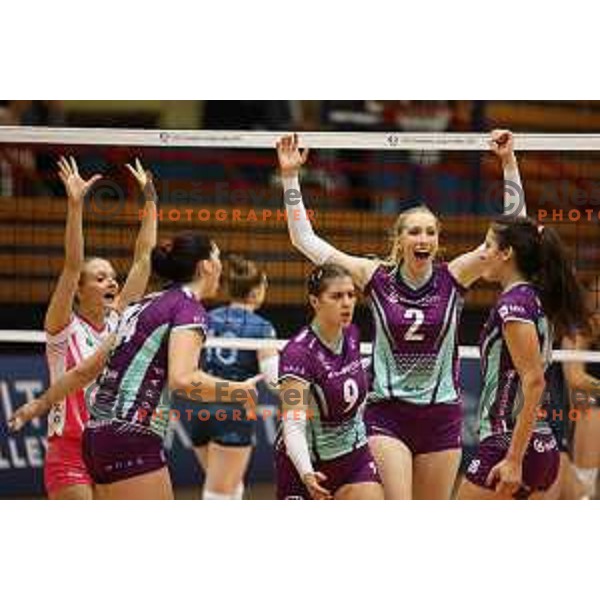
x=267 y=139
x=396 y=140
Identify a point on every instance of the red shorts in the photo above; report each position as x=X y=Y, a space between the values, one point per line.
x=64 y=465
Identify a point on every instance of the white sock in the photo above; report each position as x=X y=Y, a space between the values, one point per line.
x=238 y=494
x=588 y=479
x=210 y=495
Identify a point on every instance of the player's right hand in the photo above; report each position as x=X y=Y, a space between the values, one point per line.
x=313 y=481
x=75 y=185
x=24 y=414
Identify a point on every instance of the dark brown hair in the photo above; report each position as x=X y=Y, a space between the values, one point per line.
x=320 y=277
x=542 y=258
x=176 y=259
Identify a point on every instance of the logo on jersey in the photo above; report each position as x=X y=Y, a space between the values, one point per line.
x=508 y=309
x=542 y=446
x=474 y=466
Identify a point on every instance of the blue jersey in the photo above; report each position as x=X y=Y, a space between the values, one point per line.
x=235 y=322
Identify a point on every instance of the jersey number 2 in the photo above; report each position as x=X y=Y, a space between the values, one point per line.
x=412 y=334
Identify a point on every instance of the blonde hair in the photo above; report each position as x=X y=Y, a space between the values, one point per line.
x=395 y=255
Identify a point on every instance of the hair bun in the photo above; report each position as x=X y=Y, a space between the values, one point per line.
x=161 y=260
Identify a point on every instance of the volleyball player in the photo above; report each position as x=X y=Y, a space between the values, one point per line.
x=223 y=444
x=156 y=355
x=518 y=454
x=81 y=310
x=77 y=378
x=583 y=381
x=322 y=451
x=414 y=415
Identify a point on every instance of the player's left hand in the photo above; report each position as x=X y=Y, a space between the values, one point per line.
x=250 y=385
x=505 y=477
x=142 y=176
x=502 y=144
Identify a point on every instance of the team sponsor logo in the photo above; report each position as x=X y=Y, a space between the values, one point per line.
x=509 y=309
x=542 y=446
x=474 y=466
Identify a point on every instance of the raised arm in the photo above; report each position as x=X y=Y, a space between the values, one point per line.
x=523 y=345
x=139 y=274
x=468 y=268
x=77 y=378
x=61 y=303
x=300 y=229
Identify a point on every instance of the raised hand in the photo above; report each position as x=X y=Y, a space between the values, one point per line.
x=145 y=180
x=502 y=144
x=289 y=156
x=75 y=185
x=142 y=176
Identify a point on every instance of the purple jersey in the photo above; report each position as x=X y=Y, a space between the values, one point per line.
x=338 y=384
x=133 y=387
x=501 y=396
x=415 y=350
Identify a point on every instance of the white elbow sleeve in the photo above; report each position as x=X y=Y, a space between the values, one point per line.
x=294 y=435
x=514 y=194
x=301 y=232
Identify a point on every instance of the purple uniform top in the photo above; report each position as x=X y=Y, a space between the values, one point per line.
x=133 y=387
x=338 y=386
x=502 y=397
x=415 y=348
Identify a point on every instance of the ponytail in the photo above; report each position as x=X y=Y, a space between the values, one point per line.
x=541 y=256
x=561 y=294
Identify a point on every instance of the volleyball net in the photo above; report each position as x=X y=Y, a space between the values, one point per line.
x=225 y=184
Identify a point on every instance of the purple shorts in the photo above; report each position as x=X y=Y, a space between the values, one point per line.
x=422 y=428
x=357 y=466
x=116 y=451
x=540 y=464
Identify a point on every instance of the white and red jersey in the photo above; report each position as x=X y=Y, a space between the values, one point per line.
x=64 y=350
